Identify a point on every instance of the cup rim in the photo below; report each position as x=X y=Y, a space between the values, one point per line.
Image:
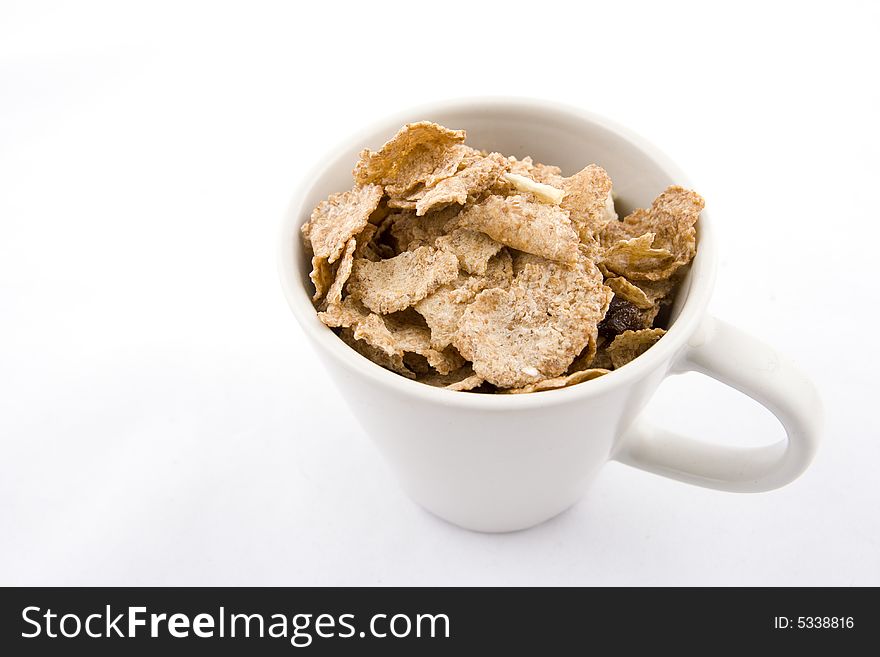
x=664 y=351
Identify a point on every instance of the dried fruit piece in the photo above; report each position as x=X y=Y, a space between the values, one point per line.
x=588 y=200
x=541 y=191
x=408 y=158
x=534 y=330
x=474 y=179
x=560 y=381
x=443 y=308
x=472 y=248
x=632 y=344
x=537 y=228
x=399 y=282
x=621 y=316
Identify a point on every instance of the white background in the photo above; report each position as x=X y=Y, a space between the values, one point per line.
x=162 y=420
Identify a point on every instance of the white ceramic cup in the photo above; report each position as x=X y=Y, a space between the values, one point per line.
x=497 y=463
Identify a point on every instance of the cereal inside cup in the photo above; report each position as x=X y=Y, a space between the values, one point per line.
x=477 y=272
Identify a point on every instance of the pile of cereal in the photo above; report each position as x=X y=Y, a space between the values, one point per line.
x=474 y=271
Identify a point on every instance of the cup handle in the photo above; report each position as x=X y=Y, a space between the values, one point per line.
x=726 y=354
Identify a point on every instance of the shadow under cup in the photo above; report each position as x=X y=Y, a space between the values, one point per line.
x=498 y=462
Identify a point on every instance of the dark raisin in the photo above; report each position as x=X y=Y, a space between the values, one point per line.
x=621 y=316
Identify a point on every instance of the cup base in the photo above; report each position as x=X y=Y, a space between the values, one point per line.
x=495 y=523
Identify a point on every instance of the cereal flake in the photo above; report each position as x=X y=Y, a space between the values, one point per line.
x=343 y=271
x=632 y=344
x=467 y=183
x=537 y=228
x=587 y=194
x=399 y=282
x=443 y=308
x=472 y=248
x=561 y=381
x=413 y=155
x=533 y=330
x=339 y=218
x=637 y=260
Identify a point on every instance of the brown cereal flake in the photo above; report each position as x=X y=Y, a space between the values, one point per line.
x=427 y=164
x=364 y=238
x=587 y=195
x=533 y=330
x=410 y=157
x=452 y=161
x=671 y=219
x=591 y=357
x=472 y=248
x=537 y=228
x=602 y=359
x=374 y=332
x=378 y=215
x=658 y=291
x=391 y=337
x=345 y=314
x=322 y=276
x=348 y=314
x=632 y=344
x=343 y=271
x=637 y=260
x=403 y=203
x=443 y=308
x=417 y=340
x=629 y=292
x=408 y=228
x=649 y=315
x=390 y=362
x=399 y=282
x=560 y=381
x=461 y=379
x=467 y=183
x=339 y=218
